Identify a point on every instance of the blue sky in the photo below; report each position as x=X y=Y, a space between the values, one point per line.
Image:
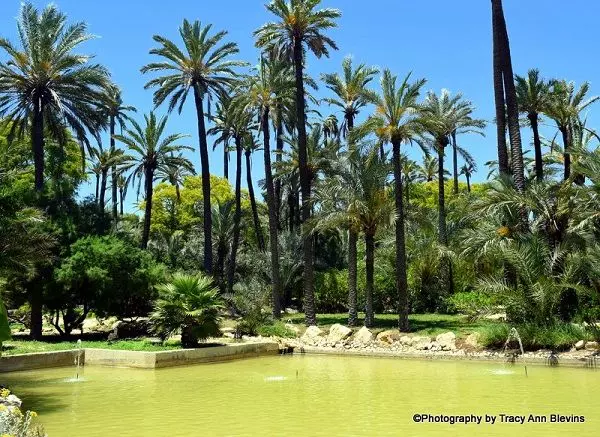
x=449 y=43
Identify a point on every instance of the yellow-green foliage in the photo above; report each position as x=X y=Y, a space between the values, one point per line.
x=169 y=215
x=425 y=194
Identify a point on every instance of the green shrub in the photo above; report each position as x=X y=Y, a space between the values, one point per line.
x=276 y=329
x=331 y=291
x=252 y=299
x=559 y=336
x=189 y=304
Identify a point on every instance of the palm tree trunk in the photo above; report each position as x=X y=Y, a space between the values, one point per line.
x=308 y=253
x=37 y=142
x=503 y=165
x=468 y=183
x=36 y=302
x=278 y=159
x=257 y=229
x=225 y=162
x=113 y=172
x=401 y=279
x=512 y=108
x=177 y=192
x=292 y=202
x=149 y=177
x=455 y=161
x=97 y=189
x=369 y=267
x=445 y=266
x=566 y=149
x=273 y=218
x=352 y=269
x=207 y=212
x=537 y=145
x=407 y=193
x=237 y=216
x=101 y=202
x=121 y=199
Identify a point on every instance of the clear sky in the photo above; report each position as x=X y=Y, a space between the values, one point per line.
x=447 y=42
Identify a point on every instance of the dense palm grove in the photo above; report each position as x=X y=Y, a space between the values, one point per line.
x=343 y=221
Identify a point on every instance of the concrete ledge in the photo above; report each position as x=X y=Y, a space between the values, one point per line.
x=137 y=359
x=562 y=362
x=39 y=360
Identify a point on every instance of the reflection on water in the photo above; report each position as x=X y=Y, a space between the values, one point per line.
x=307 y=396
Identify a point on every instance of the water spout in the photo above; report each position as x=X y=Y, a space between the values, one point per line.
x=512 y=356
x=78 y=359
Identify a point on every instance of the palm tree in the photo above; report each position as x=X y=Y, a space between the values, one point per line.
x=271 y=87
x=351 y=92
x=463 y=124
x=396 y=121
x=250 y=145
x=204 y=67
x=122 y=187
x=468 y=170
x=190 y=304
x=409 y=175
x=95 y=169
x=506 y=98
x=564 y=106
x=532 y=97
x=357 y=197
x=300 y=25
x=223 y=229
x=429 y=169
x=153 y=151
x=175 y=174
x=105 y=160
x=44 y=86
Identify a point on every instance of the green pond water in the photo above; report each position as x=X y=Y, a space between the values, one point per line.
x=308 y=396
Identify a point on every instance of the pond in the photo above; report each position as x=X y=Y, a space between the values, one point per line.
x=312 y=396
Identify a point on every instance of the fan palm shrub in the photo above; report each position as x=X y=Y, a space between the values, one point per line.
x=189 y=304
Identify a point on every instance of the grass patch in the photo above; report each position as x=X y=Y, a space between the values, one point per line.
x=420 y=324
x=560 y=337
x=15 y=347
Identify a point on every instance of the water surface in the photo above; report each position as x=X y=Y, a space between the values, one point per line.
x=308 y=396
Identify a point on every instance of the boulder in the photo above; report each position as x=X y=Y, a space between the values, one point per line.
x=472 y=340
x=406 y=340
x=591 y=345
x=421 y=343
x=388 y=337
x=579 y=345
x=338 y=332
x=10 y=401
x=312 y=335
x=446 y=341
x=363 y=336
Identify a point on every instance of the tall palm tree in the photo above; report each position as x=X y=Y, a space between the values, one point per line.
x=122 y=187
x=564 y=106
x=396 y=120
x=357 y=197
x=532 y=96
x=300 y=25
x=45 y=87
x=105 y=160
x=117 y=113
x=428 y=170
x=506 y=98
x=175 y=174
x=205 y=69
x=95 y=168
x=271 y=87
x=463 y=124
x=250 y=146
x=409 y=175
x=153 y=150
x=223 y=224
x=468 y=170
x=440 y=117
x=351 y=92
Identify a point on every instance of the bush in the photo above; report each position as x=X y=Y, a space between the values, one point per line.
x=252 y=299
x=276 y=329
x=331 y=291
x=189 y=304
x=559 y=336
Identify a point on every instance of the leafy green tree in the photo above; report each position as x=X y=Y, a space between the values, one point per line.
x=189 y=304
x=45 y=86
x=396 y=121
x=153 y=151
x=300 y=25
x=204 y=68
x=104 y=275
